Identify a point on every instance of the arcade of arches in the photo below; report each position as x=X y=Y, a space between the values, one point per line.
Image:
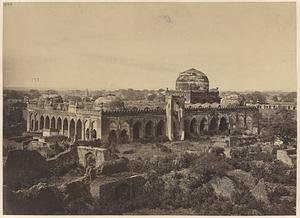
x=138 y=131
x=139 y=126
x=71 y=128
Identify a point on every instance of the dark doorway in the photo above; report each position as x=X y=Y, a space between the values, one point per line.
x=123 y=136
x=94 y=134
x=193 y=127
x=72 y=129
x=65 y=127
x=149 y=129
x=47 y=123
x=42 y=122
x=59 y=123
x=213 y=125
x=223 y=124
x=53 y=123
x=79 y=130
x=112 y=137
x=136 y=130
x=203 y=124
x=160 y=128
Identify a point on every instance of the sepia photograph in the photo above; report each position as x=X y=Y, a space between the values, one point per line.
x=149 y=108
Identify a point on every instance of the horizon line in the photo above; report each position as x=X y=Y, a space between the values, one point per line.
x=115 y=89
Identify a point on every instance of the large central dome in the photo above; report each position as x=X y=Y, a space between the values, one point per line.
x=192 y=80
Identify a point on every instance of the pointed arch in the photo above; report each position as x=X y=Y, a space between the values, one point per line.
x=193 y=126
x=149 y=129
x=94 y=134
x=72 y=129
x=112 y=137
x=32 y=124
x=213 y=125
x=59 y=124
x=136 y=130
x=223 y=124
x=124 y=136
x=203 y=125
x=42 y=120
x=160 y=129
x=47 y=122
x=65 y=127
x=113 y=125
x=79 y=129
x=53 y=123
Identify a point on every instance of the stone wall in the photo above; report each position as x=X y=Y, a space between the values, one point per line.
x=123 y=188
x=100 y=155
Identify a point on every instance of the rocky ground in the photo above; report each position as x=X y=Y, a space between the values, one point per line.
x=170 y=178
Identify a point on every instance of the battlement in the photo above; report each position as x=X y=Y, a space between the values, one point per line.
x=222 y=108
x=132 y=112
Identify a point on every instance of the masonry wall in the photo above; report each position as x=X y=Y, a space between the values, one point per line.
x=100 y=154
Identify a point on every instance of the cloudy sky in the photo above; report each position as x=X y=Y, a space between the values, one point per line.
x=239 y=46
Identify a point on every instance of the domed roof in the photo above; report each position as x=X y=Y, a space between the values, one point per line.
x=192 y=80
x=104 y=99
x=109 y=102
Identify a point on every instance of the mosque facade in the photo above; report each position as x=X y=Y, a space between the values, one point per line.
x=182 y=116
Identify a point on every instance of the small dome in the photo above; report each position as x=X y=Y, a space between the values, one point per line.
x=109 y=102
x=192 y=80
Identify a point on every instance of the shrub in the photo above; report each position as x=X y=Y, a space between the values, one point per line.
x=166 y=149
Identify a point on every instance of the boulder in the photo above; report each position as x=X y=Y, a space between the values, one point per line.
x=114 y=166
x=222 y=186
x=23 y=168
x=39 y=199
x=260 y=192
x=77 y=198
x=242 y=176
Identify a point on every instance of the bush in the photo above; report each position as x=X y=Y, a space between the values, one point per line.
x=165 y=149
x=209 y=166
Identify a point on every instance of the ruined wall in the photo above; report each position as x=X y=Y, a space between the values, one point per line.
x=100 y=155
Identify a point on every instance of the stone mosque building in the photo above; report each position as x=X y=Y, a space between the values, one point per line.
x=183 y=115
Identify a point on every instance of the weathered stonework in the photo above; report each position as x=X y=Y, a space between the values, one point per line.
x=99 y=154
x=125 y=125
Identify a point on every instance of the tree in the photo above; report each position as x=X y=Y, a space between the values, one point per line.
x=255 y=97
x=116 y=104
x=151 y=97
x=284 y=125
x=275 y=98
x=290 y=97
x=51 y=92
x=281 y=124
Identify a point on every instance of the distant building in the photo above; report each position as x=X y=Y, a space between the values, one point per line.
x=276 y=105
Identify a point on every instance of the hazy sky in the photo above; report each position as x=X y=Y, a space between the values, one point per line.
x=239 y=46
